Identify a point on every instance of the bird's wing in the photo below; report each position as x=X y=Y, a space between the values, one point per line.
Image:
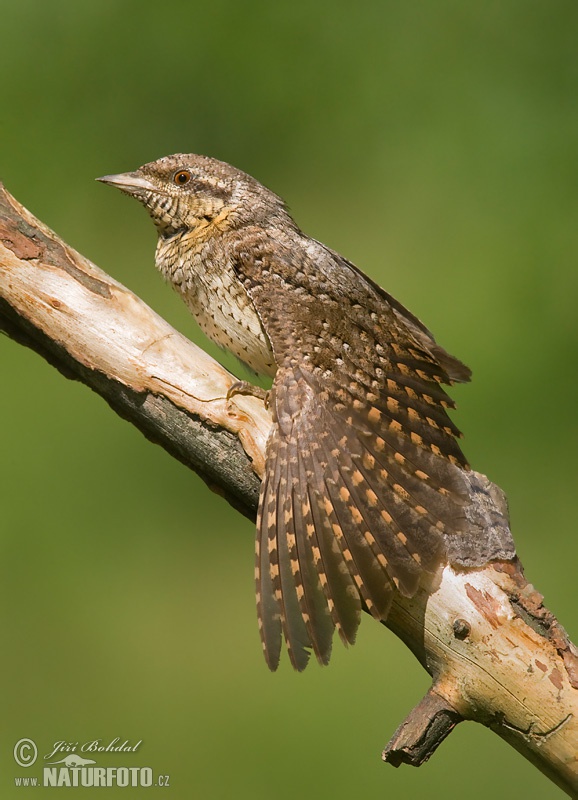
x=363 y=471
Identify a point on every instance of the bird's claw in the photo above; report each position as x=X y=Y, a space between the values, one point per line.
x=244 y=387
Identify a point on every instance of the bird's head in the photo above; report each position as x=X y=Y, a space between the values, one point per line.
x=182 y=192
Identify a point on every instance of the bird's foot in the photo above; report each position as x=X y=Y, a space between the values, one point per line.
x=244 y=387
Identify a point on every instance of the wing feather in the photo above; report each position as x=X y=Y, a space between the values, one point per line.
x=268 y=610
x=312 y=599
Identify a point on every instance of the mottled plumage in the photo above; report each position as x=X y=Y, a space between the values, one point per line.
x=364 y=476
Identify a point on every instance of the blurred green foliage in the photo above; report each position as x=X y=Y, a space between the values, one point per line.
x=434 y=144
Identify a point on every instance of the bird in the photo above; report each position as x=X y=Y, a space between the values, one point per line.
x=364 y=482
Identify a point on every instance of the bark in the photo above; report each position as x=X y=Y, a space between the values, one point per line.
x=495 y=653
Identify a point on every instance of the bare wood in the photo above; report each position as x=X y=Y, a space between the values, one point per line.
x=496 y=655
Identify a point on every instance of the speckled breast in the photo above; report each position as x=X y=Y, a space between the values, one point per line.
x=219 y=303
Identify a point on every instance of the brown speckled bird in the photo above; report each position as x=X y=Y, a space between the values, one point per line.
x=364 y=478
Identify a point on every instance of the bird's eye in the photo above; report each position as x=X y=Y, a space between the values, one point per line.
x=182 y=176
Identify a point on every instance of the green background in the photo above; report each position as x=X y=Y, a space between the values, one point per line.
x=434 y=144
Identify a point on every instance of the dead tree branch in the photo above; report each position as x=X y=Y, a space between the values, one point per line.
x=495 y=653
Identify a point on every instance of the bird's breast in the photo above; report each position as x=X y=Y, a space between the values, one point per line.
x=218 y=301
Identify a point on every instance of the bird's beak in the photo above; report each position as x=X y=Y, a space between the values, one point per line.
x=129 y=182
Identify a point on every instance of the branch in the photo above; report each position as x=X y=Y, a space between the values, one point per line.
x=495 y=653
x=94 y=330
